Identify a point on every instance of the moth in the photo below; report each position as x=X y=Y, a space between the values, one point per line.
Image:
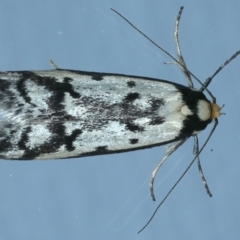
x=62 y=113
x=65 y=113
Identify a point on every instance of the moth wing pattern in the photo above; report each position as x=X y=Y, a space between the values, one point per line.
x=66 y=113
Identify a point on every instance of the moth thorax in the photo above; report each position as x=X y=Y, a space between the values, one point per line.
x=186 y=111
x=204 y=110
x=216 y=110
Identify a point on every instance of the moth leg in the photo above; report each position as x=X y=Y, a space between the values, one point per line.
x=196 y=153
x=53 y=64
x=172 y=148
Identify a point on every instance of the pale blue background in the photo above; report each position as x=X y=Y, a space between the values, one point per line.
x=107 y=197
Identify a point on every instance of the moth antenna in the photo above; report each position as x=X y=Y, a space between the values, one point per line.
x=183 y=65
x=159 y=47
x=144 y=35
x=208 y=80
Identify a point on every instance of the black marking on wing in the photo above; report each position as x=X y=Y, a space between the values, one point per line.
x=70 y=139
x=7 y=97
x=157 y=120
x=23 y=91
x=131 y=84
x=4 y=85
x=156 y=103
x=24 y=139
x=50 y=146
x=57 y=89
x=67 y=79
x=58 y=139
x=5 y=142
x=132 y=97
x=134 y=127
x=133 y=141
x=101 y=150
x=97 y=76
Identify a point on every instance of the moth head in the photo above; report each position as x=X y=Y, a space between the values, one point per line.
x=216 y=110
x=208 y=110
x=205 y=110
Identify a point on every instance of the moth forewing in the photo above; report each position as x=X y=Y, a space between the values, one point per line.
x=64 y=110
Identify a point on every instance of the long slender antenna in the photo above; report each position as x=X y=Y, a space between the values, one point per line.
x=208 y=80
x=183 y=65
x=163 y=50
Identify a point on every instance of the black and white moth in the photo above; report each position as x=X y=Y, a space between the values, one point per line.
x=67 y=113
